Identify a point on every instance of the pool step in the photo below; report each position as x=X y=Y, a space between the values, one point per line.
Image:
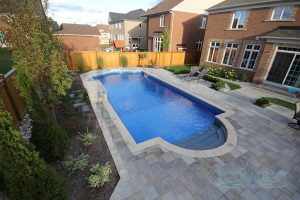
x=210 y=138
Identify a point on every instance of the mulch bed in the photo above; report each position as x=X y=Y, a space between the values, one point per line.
x=74 y=124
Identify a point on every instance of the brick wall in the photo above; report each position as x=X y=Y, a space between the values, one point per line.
x=257 y=24
x=80 y=43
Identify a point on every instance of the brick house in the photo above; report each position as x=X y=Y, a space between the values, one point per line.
x=79 y=37
x=129 y=28
x=185 y=19
x=104 y=33
x=259 y=38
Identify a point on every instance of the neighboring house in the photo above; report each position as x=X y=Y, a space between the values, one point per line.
x=104 y=33
x=79 y=37
x=186 y=21
x=259 y=38
x=130 y=28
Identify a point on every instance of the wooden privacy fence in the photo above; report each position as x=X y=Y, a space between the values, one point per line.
x=11 y=98
x=134 y=59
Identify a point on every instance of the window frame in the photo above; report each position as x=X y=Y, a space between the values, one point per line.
x=215 y=46
x=230 y=52
x=238 y=22
x=162 y=20
x=157 y=40
x=282 y=13
x=203 y=25
x=199 y=45
x=251 y=52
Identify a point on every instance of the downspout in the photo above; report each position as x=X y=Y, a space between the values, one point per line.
x=171 y=30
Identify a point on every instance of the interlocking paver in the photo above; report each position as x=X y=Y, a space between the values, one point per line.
x=265 y=143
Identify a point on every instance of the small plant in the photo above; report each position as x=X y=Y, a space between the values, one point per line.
x=231 y=75
x=78 y=163
x=218 y=85
x=100 y=175
x=263 y=102
x=244 y=77
x=124 y=61
x=100 y=62
x=80 y=66
x=88 y=138
x=143 y=55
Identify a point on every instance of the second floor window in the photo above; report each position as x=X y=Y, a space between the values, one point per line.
x=239 y=19
x=129 y=39
x=162 y=21
x=203 y=22
x=229 y=54
x=282 y=13
x=214 y=51
x=198 y=45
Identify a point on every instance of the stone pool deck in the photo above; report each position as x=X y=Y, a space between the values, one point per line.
x=265 y=144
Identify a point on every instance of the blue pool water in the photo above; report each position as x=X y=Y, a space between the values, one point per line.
x=150 y=108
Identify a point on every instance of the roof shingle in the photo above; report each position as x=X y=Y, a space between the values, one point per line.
x=227 y=4
x=164 y=6
x=287 y=32
x=77 y=29
x=132 y=15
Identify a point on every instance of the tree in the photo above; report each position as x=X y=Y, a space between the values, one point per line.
x=53 y=24
x=166 y=39
x=25 y=175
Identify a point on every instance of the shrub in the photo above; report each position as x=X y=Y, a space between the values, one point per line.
x=88 y=138
x=218 y=85
x=100 y=62
x=73 y=164
x=100 y=175
x=231 y=75
x=25 y=175
x=262 y=101
x=244 y=77
x=124 y=61
x=211 y=79
x=179 y=69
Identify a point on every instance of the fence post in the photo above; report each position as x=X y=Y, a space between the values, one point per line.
x=10 y=97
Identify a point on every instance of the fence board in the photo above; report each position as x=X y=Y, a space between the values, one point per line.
x=113 y=59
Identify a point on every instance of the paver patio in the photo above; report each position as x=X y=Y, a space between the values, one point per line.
x=265 y=143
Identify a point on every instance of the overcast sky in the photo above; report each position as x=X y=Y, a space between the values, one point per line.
x=93 y=11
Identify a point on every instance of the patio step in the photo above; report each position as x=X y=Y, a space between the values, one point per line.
x=207 y=139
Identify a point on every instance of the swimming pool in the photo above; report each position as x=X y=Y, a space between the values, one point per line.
x=150 y=108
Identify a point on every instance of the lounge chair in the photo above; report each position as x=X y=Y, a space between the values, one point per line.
x=194 y=72
x=296 y=117
x=200 y=75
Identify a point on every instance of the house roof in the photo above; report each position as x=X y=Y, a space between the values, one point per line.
x=132 y=15
x=103 y=27
x=284 y=32
x=77 y=29
x=228 y=4
x=164 y=6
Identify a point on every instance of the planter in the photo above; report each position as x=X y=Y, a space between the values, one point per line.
x=263 y=105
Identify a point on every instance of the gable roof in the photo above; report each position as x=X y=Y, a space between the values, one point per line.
x=132 y=15
x=284 y=32
x=164 y=6
x=78 y=29
x=230 y=4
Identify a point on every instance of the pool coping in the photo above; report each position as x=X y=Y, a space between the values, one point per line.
x=97 y=94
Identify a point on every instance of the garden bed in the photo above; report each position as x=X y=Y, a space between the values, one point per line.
x=179 y=69
x=77 y=121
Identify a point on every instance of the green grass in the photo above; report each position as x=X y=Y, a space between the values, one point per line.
x=233 y=86
x=179 y=69
x=282 y=103
x=5 y=61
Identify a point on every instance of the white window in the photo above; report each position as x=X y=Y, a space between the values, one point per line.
x=282 y=13
x=198 y=45
x=162 y=21
x=129 y=39
x=230 y=52
x=120 y=25
x=116 y=25
x=203 y=22
x=157 y=41
x=239 y=19
x=214 y=51
x=250 y=56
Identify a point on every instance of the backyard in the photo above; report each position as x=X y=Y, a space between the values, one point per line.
x=6 y=62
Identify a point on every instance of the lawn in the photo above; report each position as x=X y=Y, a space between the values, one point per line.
x=5 y=60
x=282 y=103
x=179 y=69
x=233 y=86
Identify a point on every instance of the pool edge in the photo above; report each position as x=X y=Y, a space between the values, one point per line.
x=97 y=94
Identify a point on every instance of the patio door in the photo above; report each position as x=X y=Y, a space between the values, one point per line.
x=285 y=69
